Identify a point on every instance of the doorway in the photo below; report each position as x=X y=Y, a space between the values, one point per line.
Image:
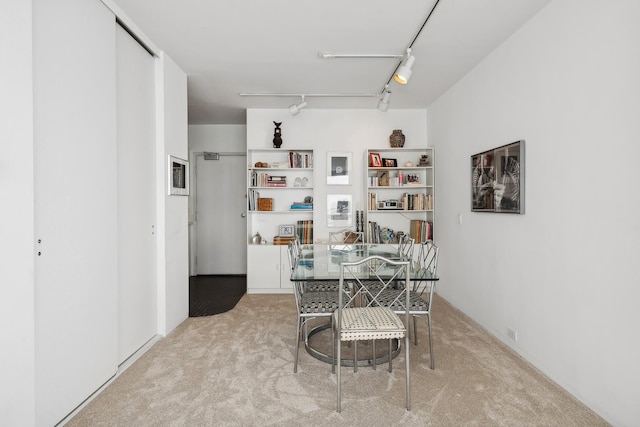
x=219 y=212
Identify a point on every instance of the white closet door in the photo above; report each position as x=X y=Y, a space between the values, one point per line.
x=221 y=224
x=136 y=196
x=75 y=203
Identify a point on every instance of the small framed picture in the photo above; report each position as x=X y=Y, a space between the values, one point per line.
x=390 y=163
x=383 y=178
x=178 y=177
x=338 y=168
x=375 y=161
x=287 y=230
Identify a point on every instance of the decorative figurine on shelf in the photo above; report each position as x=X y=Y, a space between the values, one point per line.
x=277 y=138
x=396 y=139
x=424 y=160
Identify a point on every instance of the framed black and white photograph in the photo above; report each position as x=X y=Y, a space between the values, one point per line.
x=178 y=176
x=497 y=179
x=390 y=163
x=339 y=210
x=338 y=168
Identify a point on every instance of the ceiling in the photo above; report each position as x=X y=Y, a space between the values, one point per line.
x=256 y=46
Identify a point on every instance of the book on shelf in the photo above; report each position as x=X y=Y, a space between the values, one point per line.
x=304 y=231
x=300 y=160
x=253 y=199
x=421 y=230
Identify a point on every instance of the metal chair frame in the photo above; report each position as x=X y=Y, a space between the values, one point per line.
x=419 y=304
x=309 y=304
x=361 y=317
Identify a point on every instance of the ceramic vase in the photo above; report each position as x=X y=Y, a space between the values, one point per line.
x=396 y=139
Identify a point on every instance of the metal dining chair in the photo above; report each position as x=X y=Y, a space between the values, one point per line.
x=360 y=316
x=420 y=296
x=309 y=304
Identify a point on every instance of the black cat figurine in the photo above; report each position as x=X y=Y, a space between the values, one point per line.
x=277 y=139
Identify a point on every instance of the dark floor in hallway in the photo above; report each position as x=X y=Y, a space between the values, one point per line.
x=213 y=294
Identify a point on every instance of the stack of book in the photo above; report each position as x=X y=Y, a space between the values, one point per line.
x=276 y=181
x=283 y=240
x=302 y=206
x=304 y=231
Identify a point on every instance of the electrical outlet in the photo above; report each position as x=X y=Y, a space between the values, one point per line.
x=513 y=334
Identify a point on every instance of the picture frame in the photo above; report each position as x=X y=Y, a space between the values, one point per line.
x=390 y=163
x=339 y=210
x=375 y=161
x=383 y=178
x=287 y=230
x=177 y=176
x=339 y=166
x=497 y=179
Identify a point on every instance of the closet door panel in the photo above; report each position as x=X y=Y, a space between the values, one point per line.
x=75 y=203
x=136 y=196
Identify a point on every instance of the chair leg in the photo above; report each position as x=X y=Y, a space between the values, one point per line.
x=406 y=362
x=415 y=329
x=339 y=391
x=298 y=332
x=355 y=356
x=373 y=348
x=433 y=364
x=390 y=358
x=333 y=347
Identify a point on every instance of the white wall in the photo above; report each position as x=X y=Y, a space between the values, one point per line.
x=173 y=239
x=218 y=138
x=564 y=274
x=17 y=402
x=335 y=130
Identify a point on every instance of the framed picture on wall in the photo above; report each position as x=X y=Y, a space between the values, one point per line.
x=339 y=210
x=497 y=179
x=338 y=168
x=178 y=177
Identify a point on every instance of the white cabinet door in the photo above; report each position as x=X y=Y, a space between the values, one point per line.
x=268 y=269
x=285 y=269
x=263 y=268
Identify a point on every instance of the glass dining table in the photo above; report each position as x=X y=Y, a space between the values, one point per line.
x=322 y=262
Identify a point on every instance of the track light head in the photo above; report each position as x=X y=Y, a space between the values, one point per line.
x=403 y=73
x=383 y=104
x=294 y=109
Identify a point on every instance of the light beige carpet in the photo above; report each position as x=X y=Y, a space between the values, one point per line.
x=236 y=369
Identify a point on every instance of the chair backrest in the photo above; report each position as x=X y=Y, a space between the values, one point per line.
x=298 y=287
x=345 y=236
x=405 y=246
x=428 y=260
x=369 y=278
x=429 y=256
